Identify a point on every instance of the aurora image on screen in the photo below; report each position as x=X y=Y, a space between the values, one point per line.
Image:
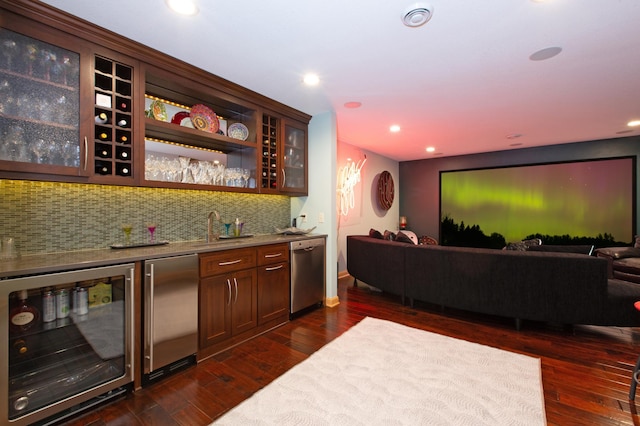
x=578 y=200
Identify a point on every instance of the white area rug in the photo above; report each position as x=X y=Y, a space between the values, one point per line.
x=383 y=373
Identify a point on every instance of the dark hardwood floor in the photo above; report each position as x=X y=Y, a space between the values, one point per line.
x=586 y=370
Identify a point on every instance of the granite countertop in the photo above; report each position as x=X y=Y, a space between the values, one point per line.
x=66 y=261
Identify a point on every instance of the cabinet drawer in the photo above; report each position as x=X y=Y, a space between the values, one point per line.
x=273 y=254
x=227 y=261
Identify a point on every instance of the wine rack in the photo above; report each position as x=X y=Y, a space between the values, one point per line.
x=269 y=159
x=113 y=154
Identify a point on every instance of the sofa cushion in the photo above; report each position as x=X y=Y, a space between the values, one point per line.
x=374 y=233
x=619 y=252
x=629 y=264
x=580 y=249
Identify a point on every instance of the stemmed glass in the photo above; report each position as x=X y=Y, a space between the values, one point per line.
x=151 y=227
x=127 y=228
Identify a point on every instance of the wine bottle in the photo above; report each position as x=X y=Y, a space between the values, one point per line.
x=24 y=316
x=20 y=347
x=102 y=118
x=123 y=122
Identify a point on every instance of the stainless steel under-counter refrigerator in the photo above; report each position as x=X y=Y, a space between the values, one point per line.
x=170 y=315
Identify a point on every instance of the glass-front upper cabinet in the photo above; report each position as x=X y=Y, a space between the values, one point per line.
x=294 y=158
x=40 y=100
x=283 y=159
x=66 y=106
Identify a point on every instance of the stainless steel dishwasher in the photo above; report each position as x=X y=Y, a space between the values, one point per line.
x=307 y=274
x=170 y=315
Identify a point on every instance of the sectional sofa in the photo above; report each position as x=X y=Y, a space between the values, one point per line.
x=557 y=287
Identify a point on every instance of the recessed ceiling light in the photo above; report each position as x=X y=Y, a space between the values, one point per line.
x=514 y=136
x=430 y=149
x=544 y=54
x=633 y=123
x=311 y=79
x=183 y=7
x=417 y=14
x=394 y=128
x=353 y=104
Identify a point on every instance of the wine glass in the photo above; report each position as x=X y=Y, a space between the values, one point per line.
x=127 y=228
x=151 y=227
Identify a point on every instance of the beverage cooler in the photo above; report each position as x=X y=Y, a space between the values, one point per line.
x=69 y=342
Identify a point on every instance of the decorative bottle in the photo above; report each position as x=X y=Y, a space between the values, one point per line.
x=24 y=316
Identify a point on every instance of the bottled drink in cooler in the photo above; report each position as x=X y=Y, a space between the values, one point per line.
x=24 y=316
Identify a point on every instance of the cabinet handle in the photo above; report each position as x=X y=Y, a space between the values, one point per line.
x=273 y=255
x=86 y=153
x=149 y=330
x=284 y=178
x=274 y=268
x=235 y=282
x=130 y=280
x=229 y=285
x=231 y=262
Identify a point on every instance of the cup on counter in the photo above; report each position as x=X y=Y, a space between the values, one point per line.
x=237 y=229
x=8 y=248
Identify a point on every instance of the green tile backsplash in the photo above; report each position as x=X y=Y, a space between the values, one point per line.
x=48 y=217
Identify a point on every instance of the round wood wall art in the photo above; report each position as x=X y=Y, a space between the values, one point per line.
x=385 y=190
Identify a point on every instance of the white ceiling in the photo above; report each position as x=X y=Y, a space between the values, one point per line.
x=461 y=83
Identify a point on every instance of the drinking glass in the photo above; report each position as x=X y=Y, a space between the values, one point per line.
x=151 y=227
x=127 y=228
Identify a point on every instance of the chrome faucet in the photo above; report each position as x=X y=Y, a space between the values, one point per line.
x=212 y=236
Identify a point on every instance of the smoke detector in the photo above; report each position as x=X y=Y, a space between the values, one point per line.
x=417 y=14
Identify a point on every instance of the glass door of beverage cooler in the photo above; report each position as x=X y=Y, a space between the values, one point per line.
x=69 y=341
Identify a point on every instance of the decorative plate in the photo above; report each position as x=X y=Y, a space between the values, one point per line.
x=238 y=131
x=203 y=118
x=182 y=118
x=158 y=111
x=179 y=116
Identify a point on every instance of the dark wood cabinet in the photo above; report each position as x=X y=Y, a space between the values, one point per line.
x=243 y=292
x=228 y=295
x=66 y=108
x=227 y=306
x=92 y=98
x=273 y=283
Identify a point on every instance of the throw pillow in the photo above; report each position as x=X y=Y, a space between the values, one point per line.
x=390 y=236
x=373 y=233
x=408 y=237
x=636 y=243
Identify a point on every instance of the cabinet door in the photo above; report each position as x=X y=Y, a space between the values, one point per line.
x=273 y=292
x=41 y=99
x=215 y=309
x=294 y=159
x=244 y=303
